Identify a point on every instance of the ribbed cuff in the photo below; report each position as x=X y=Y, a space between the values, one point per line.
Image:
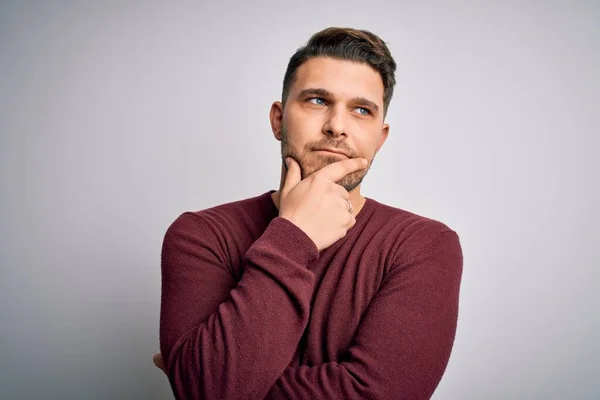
x=287 y=238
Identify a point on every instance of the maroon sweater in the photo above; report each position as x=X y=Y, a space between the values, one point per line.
x=250 y=309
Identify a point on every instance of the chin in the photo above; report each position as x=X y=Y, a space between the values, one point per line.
x=350 y=185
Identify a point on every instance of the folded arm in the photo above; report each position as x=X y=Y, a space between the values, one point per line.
x=224 y=339
x=403 y=343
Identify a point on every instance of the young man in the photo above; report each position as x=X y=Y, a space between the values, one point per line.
x=313 y=291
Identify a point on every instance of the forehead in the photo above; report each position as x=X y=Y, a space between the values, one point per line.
x=343 y=78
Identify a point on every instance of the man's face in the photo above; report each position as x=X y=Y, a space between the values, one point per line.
x=333 y=105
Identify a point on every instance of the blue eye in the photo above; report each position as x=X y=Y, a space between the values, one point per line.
x=317 y=100
x=363 y=111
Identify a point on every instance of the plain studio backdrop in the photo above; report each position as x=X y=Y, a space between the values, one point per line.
x=115 y=117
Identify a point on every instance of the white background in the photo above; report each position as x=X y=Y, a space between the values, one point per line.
x=115 y=117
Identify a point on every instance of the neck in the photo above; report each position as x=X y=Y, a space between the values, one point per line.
x=357 y=200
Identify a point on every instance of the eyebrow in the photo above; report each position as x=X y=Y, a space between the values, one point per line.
x=315 y=92
x=326 y=93
x=364 y=102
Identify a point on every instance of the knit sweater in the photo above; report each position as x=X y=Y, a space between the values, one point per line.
x=250 y=309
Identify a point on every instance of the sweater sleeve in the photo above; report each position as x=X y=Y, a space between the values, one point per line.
x=223 y=339
x=403 y=343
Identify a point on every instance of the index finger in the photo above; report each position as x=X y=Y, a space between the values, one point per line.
x=336 y=171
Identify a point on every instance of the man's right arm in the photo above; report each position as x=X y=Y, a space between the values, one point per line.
x=224 y=339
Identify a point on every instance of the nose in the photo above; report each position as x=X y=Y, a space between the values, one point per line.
x=335 y=125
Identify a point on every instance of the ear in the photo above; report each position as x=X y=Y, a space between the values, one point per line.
x=385 y=130
x=276 y=117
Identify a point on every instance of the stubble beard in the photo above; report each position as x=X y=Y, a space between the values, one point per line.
x=348 y=182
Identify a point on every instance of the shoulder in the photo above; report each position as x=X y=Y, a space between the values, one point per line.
x=406 y=221
x=410 y=234
x=220 y=221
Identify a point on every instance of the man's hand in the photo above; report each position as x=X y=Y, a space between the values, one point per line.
x=159 y=362
x=317 y=204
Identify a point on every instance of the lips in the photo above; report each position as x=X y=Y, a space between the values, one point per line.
x=335 y=151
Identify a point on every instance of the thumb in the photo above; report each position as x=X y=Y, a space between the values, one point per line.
x=293 y=176
x=158 y=361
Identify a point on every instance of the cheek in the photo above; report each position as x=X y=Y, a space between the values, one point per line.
x=300 y=133
x=304 y=122
x=367 y=147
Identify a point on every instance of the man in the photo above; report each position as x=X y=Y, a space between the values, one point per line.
x=313 y=291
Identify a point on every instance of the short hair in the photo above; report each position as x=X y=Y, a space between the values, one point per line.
x=346 y=44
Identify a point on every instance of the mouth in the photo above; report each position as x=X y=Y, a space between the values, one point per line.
x=333 y=151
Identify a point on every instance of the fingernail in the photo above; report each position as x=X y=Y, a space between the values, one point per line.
x=287 y=161
x=365 y=162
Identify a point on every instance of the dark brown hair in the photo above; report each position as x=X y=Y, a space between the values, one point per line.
x=346 y=44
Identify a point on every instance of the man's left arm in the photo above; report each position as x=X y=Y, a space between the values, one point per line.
x=403 y=343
